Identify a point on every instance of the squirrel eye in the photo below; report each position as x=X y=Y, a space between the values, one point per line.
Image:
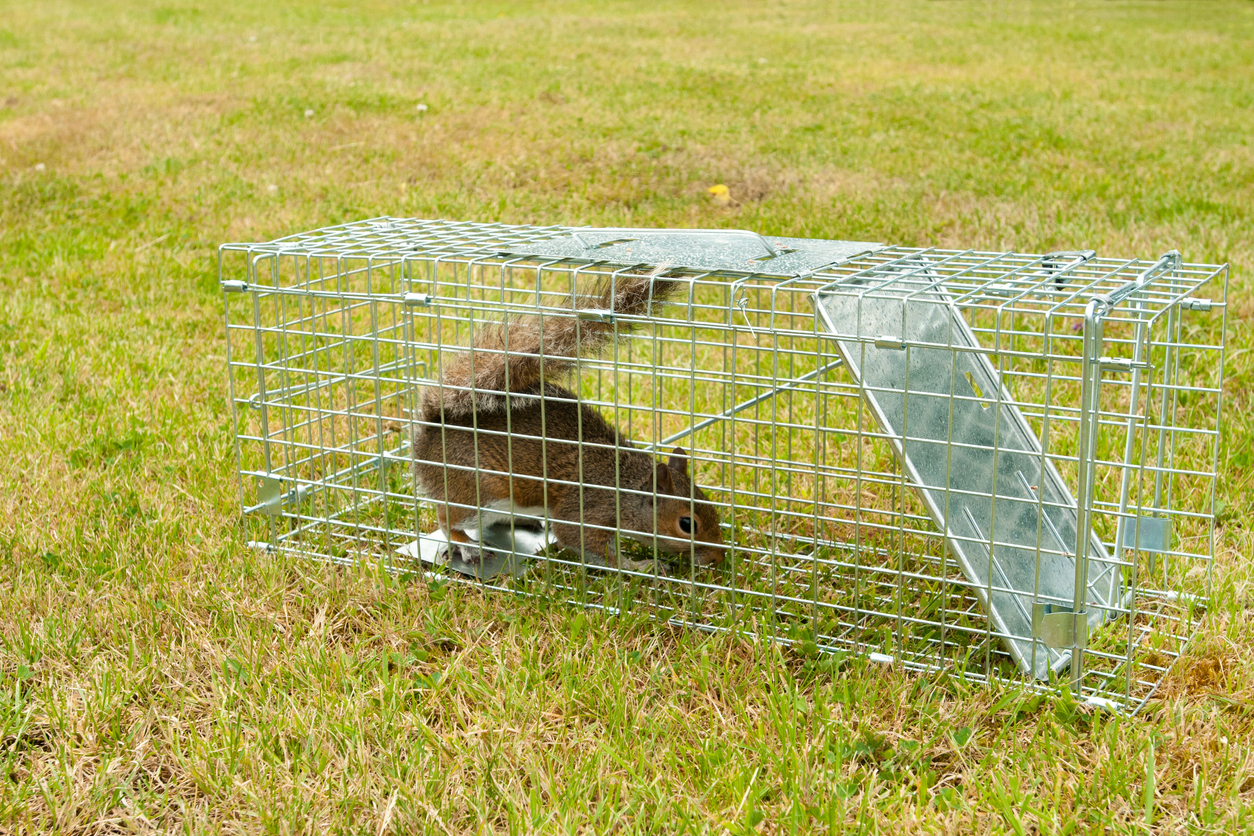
x=685 y=525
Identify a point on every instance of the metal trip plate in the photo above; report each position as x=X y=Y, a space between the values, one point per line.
x=505 y=552
x=727 y=250
x=971 y=455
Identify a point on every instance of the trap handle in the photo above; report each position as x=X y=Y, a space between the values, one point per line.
x=1166 y=263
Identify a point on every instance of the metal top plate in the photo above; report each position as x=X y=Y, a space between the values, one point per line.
x=715 y=250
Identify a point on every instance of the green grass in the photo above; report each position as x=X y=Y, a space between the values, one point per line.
x=156 y=675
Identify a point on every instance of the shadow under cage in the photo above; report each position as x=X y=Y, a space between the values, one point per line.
x=999 y=465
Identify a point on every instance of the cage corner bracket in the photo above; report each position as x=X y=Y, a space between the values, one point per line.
x=1147 y=533
x=1059 y=627
x=271 y=495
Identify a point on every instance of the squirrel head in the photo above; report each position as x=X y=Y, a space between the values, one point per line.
x=686 y=520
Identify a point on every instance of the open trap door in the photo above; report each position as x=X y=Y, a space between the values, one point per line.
x=977 y=465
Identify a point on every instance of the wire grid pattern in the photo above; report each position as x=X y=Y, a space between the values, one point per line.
x=332 y=334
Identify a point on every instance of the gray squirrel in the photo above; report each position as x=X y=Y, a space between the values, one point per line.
x=539 y=454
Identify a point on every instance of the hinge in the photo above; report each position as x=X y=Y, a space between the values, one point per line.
x=1059 y=627
x=1192 y=303
x=895 y=343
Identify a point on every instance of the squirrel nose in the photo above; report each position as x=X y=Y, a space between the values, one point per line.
x=710 y=555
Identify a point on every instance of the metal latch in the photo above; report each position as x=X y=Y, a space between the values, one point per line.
x=1061 y=258
x=1059 y=627
x=233 y=286
x=594 y=315
x=1121 y=364
x=416 y=300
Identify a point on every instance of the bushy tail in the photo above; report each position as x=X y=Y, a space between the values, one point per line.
x=518 y=355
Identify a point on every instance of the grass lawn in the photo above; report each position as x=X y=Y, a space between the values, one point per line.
x=158 y=676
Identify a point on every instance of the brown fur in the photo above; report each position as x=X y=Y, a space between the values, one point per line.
x=540 y=447
x=519 y=355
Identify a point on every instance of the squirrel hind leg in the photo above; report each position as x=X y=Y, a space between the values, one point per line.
x=460 y=545
x=463 y=548
x=470 y=555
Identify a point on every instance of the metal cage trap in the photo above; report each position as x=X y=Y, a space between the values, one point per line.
x=994 y=464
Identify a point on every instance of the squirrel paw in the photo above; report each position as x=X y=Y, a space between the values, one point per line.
x=644 y=566
x=472 y=555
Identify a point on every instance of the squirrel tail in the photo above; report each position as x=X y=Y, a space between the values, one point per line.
x=519 y=355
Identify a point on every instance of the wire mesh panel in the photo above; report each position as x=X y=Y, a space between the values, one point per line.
x=994 y=464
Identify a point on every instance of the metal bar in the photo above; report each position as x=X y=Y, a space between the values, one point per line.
x=1090 y=405
x=743 y=405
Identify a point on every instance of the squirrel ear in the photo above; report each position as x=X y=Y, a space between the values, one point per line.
x=679 y=461
x=664 y=483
